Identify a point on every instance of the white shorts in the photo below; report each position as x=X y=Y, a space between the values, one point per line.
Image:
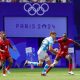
x=42 y=54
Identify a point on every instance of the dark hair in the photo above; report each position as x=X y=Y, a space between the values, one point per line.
x=64 y=35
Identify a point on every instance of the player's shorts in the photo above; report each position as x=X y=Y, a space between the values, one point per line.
x=61 y=54
x=4 y=56
x=42 y=54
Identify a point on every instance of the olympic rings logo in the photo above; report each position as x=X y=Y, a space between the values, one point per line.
x=36 y=8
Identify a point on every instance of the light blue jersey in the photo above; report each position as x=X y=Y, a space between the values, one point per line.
x=46 y=43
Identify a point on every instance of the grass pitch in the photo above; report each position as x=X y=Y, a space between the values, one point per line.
x=28 y=74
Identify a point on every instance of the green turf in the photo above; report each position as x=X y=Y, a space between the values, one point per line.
x=28 y=74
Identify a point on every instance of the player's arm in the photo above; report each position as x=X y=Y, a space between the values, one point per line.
x=1 y=50
x=12 y=47
x=76 y=43
x=55 y=41
x=52 y=50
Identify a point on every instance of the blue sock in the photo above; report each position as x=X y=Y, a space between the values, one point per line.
x=45 y=68
x=33 y=63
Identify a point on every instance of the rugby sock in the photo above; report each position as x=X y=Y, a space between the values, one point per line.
x=9 y=66
x=45 y=68
x=4 y=71
x=48 y=69
x=70 y=67
x=3 y=68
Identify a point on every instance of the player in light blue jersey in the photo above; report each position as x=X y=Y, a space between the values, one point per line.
x=46 y=45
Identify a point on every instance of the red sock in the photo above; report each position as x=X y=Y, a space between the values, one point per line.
x=4 y=72
x=8 y=67
x=70 y=67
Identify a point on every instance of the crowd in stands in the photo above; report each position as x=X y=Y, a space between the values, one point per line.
x=54 y=1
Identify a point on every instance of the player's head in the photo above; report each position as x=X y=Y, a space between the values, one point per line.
x=53 y=34
x=3 y=35
x=64 y=37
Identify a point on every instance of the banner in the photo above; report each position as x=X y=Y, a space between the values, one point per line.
x=34 y=26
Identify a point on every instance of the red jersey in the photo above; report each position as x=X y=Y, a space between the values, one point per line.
x=4 y=45
x=64 y=45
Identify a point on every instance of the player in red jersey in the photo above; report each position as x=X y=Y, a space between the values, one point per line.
x=63 y=52
x=4 y=53
x=0 y=55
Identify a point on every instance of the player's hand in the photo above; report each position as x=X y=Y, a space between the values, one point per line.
x=2 y=51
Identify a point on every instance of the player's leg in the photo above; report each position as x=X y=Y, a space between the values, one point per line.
x=0 y=64
x=34 y=63
x=68 y=57
x=47 y=60
x=10 y=60
x=54 y=63
x=41 y=57
x=40 y=63
x=3 y=60
x=3 y=68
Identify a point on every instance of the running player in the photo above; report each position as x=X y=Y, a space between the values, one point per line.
x=63 y=52
x=4 y=53
x=46 y=45
x=0 y=55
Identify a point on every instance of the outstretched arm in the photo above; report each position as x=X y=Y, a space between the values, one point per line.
x=12 y=47
x=55 y=41
x=76 y=43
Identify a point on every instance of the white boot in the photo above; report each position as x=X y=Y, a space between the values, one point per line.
x=70 y=72
x=4 y=74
